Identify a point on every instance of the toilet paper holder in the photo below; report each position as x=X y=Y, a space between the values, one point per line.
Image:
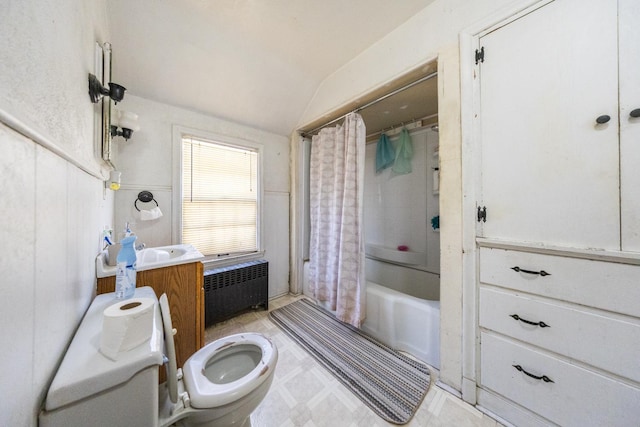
x=144 y=197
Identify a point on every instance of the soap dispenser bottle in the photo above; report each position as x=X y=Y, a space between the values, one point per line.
x=126 y=267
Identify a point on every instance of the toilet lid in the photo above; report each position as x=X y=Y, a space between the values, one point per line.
x=172 y=368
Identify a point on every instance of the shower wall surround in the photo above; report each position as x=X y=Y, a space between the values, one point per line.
x=398 y=209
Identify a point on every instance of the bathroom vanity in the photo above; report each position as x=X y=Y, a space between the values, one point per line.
x=183 y=284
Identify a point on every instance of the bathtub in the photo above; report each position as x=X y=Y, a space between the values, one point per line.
x=401 y=321
x=404 y=322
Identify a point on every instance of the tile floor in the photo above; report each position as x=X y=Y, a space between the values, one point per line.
x=304 y=394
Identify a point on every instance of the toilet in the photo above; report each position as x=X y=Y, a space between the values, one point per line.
x=219 y=385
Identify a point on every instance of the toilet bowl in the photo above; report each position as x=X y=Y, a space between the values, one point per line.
x=224 y=381
x=221 y=384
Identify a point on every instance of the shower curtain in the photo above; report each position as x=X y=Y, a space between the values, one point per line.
x=336 y=248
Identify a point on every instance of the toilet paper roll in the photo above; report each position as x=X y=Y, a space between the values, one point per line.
x=126 y=325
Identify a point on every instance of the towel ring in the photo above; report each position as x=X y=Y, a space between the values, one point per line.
x=144 y=197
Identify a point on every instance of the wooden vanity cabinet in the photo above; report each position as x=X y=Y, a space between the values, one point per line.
x=183 y=285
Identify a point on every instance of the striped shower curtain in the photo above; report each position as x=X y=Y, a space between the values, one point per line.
x=336 y=248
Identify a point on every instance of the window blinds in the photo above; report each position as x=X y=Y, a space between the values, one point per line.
x=220 y=197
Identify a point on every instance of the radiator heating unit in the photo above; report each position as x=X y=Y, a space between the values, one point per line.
x=231 y=290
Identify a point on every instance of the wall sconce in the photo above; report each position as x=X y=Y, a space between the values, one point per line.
x=127 y=121
x=97 y=91
x=114 y=180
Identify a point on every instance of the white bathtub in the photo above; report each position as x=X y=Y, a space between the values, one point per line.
x=404 y=322
x=401 y=321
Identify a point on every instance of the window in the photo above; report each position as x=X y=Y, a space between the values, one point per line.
x=220 y=201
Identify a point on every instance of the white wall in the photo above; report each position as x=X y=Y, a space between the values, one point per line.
x=398 y=208
x=146 y=163
x=432 y=33
x=451 y=224
x=52 y=211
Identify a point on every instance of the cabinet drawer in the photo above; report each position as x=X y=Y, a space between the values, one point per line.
x=576 y=397
x=593 y=338
x=610 y=286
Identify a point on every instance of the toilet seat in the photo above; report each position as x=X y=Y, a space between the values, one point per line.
x=202 y=392
x=170 y=348
x=206 y=394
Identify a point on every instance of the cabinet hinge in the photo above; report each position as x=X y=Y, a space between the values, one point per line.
x=480 y=55
x=482 y=214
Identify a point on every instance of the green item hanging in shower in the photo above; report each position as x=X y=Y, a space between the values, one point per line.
x=404 y=153
x=435 y=222
x=384 y=153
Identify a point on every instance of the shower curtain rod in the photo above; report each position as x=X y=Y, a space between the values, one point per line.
x=397 y=125
x=369 y=104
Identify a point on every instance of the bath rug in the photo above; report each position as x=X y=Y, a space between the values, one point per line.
x=390 y=383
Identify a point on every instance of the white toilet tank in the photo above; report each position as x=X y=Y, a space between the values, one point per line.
x=90 y=389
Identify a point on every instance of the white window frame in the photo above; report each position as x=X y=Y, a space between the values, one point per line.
x=176 y=234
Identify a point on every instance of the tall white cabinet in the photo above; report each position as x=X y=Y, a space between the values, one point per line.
x=558 y=234
x=550 y=173
x=629 y=71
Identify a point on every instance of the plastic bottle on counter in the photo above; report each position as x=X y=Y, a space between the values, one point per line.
x=126 y=269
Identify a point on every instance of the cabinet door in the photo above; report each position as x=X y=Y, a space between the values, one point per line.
x=183 y=285
x=630 y=126
x=549 y=172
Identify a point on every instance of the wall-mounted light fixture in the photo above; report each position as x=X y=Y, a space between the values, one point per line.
x=97 y=91
x=125 y=120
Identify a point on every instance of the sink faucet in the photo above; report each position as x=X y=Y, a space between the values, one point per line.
x=141 y=246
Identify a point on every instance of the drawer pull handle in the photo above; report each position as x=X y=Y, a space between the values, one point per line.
x=522 y=270
x=544 y=378
x=529 y=322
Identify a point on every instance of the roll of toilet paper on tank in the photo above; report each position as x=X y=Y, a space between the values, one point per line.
x=126 y=325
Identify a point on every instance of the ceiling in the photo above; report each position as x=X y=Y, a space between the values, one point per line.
x=414 y=104
x=254 y=62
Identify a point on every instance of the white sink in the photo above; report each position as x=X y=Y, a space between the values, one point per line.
x=156 y=255
x=149 y=258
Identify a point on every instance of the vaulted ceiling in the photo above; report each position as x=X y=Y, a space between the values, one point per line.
x=255 y=62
